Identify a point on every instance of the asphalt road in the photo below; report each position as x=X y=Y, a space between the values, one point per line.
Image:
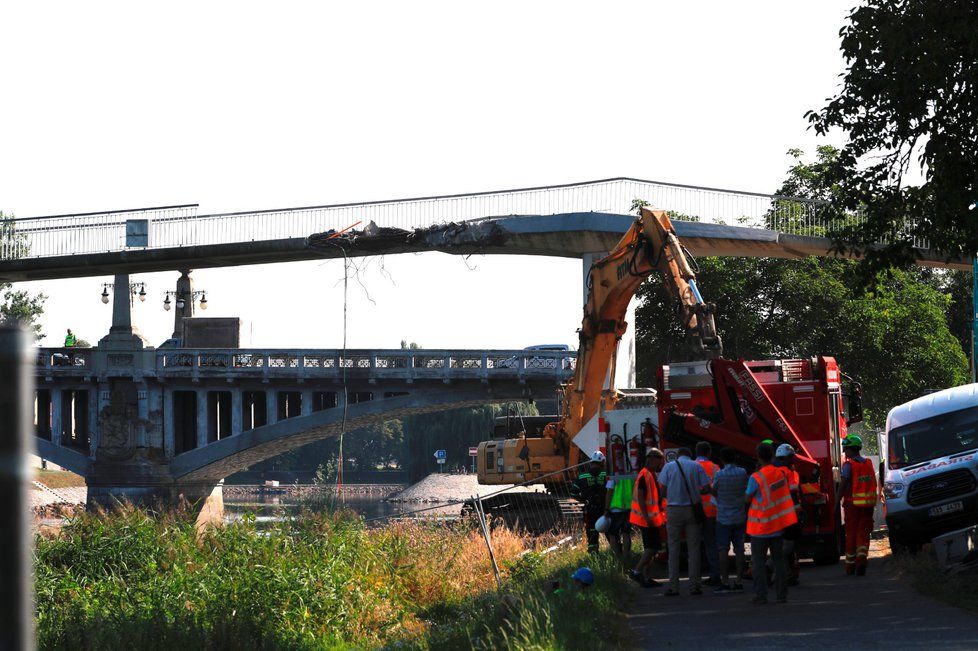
x=829 y=610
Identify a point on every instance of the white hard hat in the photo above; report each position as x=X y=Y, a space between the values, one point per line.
x=785 y=450
x=598 y=456
x=603 y=524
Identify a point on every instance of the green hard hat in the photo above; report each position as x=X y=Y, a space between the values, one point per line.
x=852 y=441
x=767 y=442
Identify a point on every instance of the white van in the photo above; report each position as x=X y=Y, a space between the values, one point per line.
x=929 y=466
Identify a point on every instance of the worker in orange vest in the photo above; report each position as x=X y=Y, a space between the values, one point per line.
x=703 y=453
x=858 y=495
x=784 y=459
x=648 y=515
x=770 y=511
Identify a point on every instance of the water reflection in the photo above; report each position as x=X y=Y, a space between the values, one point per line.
x=272 y=507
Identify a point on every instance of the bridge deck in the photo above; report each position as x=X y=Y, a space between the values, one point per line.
x=560 y=235
x=563 y=220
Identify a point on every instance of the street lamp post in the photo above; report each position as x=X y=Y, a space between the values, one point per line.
x=184 y=297
x=135 y=289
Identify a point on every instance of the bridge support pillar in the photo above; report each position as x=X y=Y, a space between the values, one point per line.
x=202 y=420
x=169 y=431
x=204 y=499
x=271 y=406
x=142 y=411
x=237 y=411
x=56 y=426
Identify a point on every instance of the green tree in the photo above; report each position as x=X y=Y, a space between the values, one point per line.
x=18 y=306
x=909 y=95
x=894 y=338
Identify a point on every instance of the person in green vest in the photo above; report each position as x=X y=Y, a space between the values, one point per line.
x=618 y=508
x=589 y=489
x=70 y=340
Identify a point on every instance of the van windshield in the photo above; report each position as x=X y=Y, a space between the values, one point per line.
x=934 y=437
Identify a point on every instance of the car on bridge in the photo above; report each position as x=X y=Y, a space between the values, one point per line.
x=541 y=361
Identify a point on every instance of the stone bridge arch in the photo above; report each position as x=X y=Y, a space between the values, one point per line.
x=227 y=456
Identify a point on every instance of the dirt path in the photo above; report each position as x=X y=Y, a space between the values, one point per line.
x=827 y=611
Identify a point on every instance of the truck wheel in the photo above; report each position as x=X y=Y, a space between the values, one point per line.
x=828 y=553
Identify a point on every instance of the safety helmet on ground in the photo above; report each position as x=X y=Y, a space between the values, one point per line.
x=603 y=524
x=852 y=441
x=785 y=450
x=584 y=575
x=598 y=456
x=767 y=442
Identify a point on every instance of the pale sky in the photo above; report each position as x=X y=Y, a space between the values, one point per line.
x=248 y=106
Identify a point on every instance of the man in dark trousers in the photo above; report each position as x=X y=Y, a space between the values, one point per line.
x=770 y=512
x=648 y=515
x=589 y=488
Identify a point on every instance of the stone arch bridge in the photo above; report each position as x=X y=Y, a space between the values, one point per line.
x=153 y=423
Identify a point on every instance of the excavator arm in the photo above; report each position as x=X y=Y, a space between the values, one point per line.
x=650 y=245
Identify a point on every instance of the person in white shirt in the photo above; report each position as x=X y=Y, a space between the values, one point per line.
x=683 y=481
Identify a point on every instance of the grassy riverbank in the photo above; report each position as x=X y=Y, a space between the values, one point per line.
x=319 y=581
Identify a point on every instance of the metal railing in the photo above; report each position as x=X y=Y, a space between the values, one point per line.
x=177 y=226
x=420 y=364
x=61 y=235
x=309 y=363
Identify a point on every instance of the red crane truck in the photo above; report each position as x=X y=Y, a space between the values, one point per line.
x=737 y=404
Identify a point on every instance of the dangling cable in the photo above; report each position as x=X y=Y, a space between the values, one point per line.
x=346 y=396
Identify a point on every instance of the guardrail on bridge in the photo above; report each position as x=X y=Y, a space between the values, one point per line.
x=180 y=226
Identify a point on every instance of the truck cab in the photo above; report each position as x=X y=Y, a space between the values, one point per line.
x=929 y=465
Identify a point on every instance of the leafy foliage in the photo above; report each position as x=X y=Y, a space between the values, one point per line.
x=895 y=338
x=910 y=92
x=126 y=580
x=18 y=306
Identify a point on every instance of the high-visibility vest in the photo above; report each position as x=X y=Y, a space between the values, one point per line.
x=708 y=506
x=70 y=340
x=657 y=515
x=621 y=496
x=862 y=488
x=771 y=508
x=794 y=479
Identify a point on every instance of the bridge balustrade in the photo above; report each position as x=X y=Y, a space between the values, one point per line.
x=422 y=364
x=64 y=358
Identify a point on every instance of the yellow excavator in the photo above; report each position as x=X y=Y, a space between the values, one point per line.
x=649 y=245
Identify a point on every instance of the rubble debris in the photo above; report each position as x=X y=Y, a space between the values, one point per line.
x=450 y=238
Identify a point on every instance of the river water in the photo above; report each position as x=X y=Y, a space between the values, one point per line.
x=272 y=508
